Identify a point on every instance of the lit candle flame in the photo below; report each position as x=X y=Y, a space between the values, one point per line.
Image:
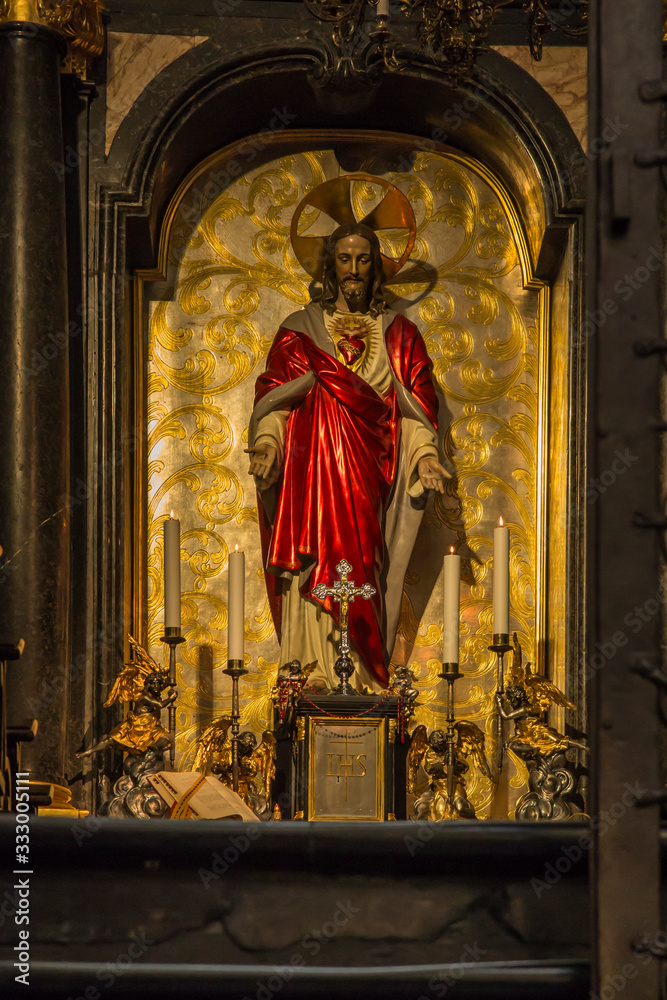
x=171 y=515
x=236 y=548
x=500 y=522
x=451 y=549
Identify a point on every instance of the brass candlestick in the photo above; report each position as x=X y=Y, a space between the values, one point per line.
x=500 y=645
x=172 y=638
x=450 y=673
x=235 y=669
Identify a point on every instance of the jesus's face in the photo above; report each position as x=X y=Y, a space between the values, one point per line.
x=354 y=269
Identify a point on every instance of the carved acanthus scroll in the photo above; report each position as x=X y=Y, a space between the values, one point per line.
x=79 y=21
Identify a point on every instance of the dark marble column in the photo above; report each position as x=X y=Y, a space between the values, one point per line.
x=34 y=388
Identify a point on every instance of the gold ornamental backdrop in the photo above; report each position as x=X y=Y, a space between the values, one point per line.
x=230 y=277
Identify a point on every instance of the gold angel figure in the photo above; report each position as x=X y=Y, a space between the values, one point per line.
x=418 y=749
x=129 y=684
x=470 y=744
x=141 y=682
x=516 y=666
x=295 y=672
x=214 y=755
x=542 y=693
x=289 y=679
x=141 y=730
x=436 y=804
x=212 y=744
x=265 y=758
x=525 y=703
x=403 y=681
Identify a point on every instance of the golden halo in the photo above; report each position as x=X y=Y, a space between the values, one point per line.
x=333 y=199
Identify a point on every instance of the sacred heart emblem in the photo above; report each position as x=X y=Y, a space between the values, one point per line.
x=352 y=348
x=353 y=332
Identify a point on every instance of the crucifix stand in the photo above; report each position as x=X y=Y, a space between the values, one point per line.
x=344 y=591
x=339 y=757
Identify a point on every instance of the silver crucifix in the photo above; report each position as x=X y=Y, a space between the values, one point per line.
x=344 y=591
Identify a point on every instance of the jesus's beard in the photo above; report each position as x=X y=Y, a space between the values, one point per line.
x=354 y=293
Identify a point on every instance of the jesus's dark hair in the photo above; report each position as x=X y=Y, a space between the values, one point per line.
x=329 y=294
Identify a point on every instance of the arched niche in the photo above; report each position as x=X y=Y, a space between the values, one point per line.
x=503 y=122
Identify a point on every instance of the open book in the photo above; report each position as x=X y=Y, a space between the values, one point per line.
x=193 y=796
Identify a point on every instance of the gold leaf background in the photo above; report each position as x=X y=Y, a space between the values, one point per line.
x=232 y=277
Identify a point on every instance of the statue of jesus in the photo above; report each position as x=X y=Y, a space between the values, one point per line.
x=343 y=448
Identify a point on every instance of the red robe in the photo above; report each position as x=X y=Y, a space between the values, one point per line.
x=342 y=446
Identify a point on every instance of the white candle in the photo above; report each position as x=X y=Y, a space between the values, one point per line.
x=452 y=608
x=172 y=573
x=501 y=579
x=236 y=605
x=383 y=8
